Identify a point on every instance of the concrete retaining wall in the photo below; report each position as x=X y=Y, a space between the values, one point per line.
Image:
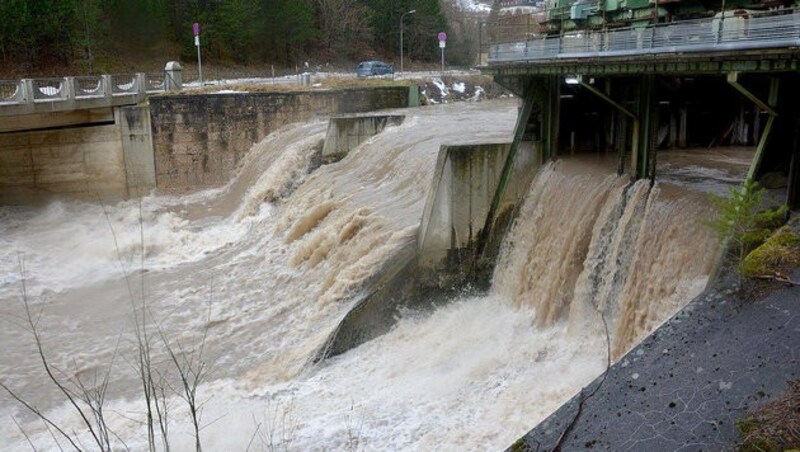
x=464 y=190
x=199 y=139
x=345 y=133
x=458 y=203
x=109 y=160
x=78 y=162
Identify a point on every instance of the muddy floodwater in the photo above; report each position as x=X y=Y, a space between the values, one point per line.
x=261 y=271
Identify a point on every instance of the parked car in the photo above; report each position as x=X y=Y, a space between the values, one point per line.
x=369 y=68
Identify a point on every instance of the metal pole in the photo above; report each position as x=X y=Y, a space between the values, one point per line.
x=402 y=16
x=480 y=43
x=401 y=44
x=199 y=62
x=442 y=60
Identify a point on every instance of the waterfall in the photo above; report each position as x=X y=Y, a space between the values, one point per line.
x=589 y=244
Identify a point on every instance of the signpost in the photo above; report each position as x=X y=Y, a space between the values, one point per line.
x=442 y=44
x=196 y=31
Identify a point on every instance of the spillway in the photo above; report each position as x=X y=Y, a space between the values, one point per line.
x=268 y=265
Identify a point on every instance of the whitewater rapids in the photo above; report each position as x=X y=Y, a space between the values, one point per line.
x=270 y=263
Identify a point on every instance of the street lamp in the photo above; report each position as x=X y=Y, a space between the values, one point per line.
x=401 y=36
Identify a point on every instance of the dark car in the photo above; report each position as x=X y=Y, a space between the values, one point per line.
x=368 y=68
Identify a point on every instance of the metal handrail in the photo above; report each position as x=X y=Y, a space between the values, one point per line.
x=773 y=29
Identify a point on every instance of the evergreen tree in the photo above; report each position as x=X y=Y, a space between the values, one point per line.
x=55 y=37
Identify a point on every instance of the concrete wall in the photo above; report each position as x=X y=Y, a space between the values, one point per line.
x=345 y=133
x=137 y=148
x=108 y=158
x=78 y=162
x=199 y=139
x=463 y=189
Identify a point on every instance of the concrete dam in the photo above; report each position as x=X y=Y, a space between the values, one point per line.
x=413 y=279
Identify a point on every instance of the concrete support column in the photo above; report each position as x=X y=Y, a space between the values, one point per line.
x=645 y=130
x=108 y=87
x=27 y=90
x=69 y=91
x=141 y=86
x=673 y=128
x=69 y=88
x=683 y=124
x=551 y=115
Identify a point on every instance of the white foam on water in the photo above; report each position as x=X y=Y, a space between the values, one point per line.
x=467 y=377
x=292 y=253
x=60 y=254
x=269 y=264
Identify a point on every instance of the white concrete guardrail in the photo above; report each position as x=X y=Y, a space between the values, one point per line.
x=738 y=30
x=44 y=95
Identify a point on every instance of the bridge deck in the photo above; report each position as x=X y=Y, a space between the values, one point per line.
x=763 y=42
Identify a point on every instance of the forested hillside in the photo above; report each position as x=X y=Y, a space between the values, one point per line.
x=91 y=36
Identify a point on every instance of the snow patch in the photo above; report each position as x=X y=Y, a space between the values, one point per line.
x=442 y=86
x=474 y=6
x=479 y=92
x=229 y=91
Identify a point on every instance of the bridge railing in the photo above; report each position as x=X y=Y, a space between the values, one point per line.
x=73 y=93
x=126 y=84
x=89 y=86
x=49 y=89
x=155 y=83
x=11 y=92
x=773 y=29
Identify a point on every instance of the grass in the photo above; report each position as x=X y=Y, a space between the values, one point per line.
x=778 y=254
x=774 y=426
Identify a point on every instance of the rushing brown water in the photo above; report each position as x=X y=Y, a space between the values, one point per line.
x=589 y=244
x=269 y=264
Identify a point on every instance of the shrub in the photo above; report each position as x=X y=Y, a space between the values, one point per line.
x=740 y=219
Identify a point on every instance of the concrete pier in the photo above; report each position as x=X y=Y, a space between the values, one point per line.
x=346 y=132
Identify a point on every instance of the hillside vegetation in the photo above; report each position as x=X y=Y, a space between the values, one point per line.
x=58 y=37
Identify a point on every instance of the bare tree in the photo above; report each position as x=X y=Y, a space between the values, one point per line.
x=345 y=29
x=86 y=401
x=192 y=370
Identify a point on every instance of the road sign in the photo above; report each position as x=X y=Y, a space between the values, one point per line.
x=442 y=36
x=196 y=29
x=442 y=44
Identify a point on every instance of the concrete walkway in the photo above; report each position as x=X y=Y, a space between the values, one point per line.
x=686 y=385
